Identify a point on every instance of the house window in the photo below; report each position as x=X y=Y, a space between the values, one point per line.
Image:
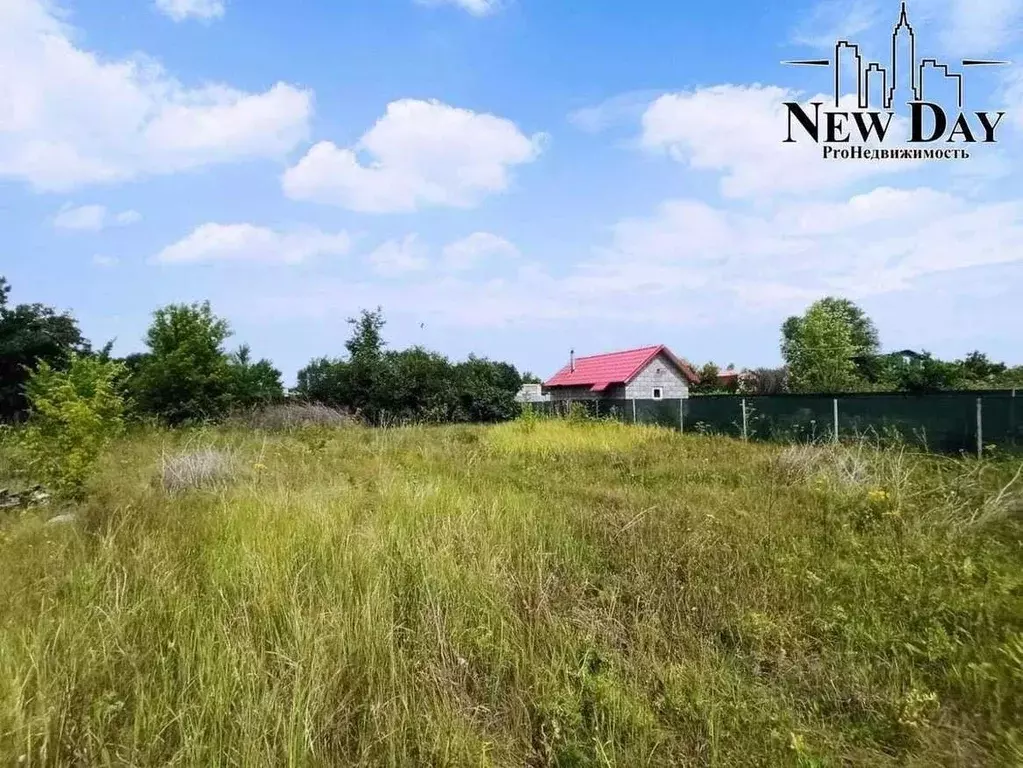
x=658 y=393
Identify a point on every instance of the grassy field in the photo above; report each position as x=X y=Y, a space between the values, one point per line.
x=531 y=594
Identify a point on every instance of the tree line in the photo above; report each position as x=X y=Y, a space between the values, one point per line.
x=835 y=347
x=186 y=374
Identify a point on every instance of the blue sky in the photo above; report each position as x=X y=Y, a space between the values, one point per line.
x=512 y=178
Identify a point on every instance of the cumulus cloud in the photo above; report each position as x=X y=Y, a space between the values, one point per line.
x=72 y=118
x=465 y=254
x=399 y=257
x=92 y=218
x=180 y=10
x=250 y=243
x=738 y=131
x=419 y=154
x=691 y=262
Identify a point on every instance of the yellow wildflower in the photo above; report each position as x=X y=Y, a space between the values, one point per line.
x=877 y=494
x=259 y=466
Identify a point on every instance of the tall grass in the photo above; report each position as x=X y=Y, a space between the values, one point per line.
x=539 y=593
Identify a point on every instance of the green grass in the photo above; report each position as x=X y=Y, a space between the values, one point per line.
x=532 y=594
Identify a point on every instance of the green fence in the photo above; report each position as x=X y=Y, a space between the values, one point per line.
x=943 y=422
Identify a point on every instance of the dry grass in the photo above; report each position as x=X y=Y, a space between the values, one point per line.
x=286 y=416
x=541 y=594
x=203 y=468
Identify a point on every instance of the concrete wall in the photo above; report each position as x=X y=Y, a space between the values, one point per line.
x=615 y=392
x=659 y=372
x=531 y=393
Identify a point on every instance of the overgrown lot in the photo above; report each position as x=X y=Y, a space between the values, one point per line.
x=531 y=594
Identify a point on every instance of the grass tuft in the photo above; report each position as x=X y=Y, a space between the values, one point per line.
x=204 y=468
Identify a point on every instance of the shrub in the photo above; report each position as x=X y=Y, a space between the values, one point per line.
x=75 y=413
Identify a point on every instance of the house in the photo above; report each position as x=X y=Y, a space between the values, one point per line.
x=648 y=373
x=532 y=393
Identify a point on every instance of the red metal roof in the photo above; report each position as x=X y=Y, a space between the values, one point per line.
x=601 y=371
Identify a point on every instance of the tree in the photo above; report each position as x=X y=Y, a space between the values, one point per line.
x=31 y=334
x=364 y=372
x=770 y=381
x=486 y=390
x=708 y=379
x=926 y=374
x=819 y=347
x=252 y=383
x=979 y=369
x=531 y=378
x=417 y=383
x=186 y=375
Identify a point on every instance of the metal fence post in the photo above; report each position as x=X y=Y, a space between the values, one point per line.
x=835 y=403
x=745 y=432
x=633 y=410
x=980 y=428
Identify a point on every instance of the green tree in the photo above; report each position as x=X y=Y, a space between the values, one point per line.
x=31 y=334
x=708 y=382
x=925 y=374
x=75 y=413
x=979 y=369
x=819 y=348
x=485 y=390
x=252 y=383
x=186 y=375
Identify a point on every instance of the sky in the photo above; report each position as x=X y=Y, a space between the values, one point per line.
x=509 y=178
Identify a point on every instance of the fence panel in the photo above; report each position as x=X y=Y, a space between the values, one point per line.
x=939 y=422
x=715 y=415
x=662 y=413
x=944 y=422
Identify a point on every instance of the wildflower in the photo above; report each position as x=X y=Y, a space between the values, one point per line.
x=877 y=495
x=259 y=466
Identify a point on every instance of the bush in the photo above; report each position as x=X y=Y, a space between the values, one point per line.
x=74 y=414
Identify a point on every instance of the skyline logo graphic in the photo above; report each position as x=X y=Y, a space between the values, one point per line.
x=878 y=90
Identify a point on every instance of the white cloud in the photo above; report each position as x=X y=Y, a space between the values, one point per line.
x=84 y=217
x=249 y=243
x=399 y=257
x=179 y=10
x=71 y=117
x=739 y=132
x=690 y=263
x=423 y=153
x=971 y=28
x=128 y=217
x=465 y=254
x=833 y=20
x=104 y=261
x=623 y=108
x=475 y=7
x=92 y=218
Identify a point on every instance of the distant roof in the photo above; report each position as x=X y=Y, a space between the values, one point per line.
x=601 y=371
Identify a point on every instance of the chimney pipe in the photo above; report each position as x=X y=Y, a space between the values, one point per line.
x=571 y=360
